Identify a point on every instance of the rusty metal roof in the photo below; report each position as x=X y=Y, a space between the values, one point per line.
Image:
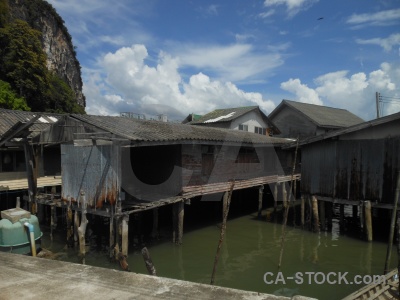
x=156 y=131
x=322 y=116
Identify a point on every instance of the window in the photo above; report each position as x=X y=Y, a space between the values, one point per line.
x=260 y=130
x=243 y=127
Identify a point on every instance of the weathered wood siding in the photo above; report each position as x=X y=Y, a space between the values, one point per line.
x=353 y=170
x=202 y=164
x=293 y=124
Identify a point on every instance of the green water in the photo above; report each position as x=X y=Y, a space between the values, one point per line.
x=250 y=249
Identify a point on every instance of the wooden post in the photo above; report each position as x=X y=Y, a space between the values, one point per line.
x=368 y=220
x=322 y=215
x=392 y=225
x=154 y=233
x=82 y=227
x=178 y=215
x=260 y=198
x=315 y=213
x=341 y=221
x=284 y=195
x=31 y=173
x=275 y=200
x=70 y=227
x=125 y=229
x=329 y=211
x=228 y=196
x=76 y=225
x=302 y=211
x=148 y=262
x=53 y=220
x=112 y=234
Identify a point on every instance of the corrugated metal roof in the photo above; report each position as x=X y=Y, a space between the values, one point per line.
x=224 y=115
x=322 y=116
x=9 y=118
x=331 y=134
x=155 y=131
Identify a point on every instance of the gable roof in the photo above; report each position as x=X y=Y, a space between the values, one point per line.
x=148 y=132
x=228 y=114
x=21 y=124
x=322 y=116
x=354 y=128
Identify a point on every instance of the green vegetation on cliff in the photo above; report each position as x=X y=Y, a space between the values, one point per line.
x=23 y=67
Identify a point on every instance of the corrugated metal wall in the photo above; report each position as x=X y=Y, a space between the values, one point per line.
x=93 y=169
x=354 y=170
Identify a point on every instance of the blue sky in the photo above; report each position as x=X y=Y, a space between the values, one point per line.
x=192 y=56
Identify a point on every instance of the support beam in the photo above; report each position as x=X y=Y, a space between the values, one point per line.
x=70 y=227
x=368 y=220
x=302 y=207
x=260 y=198
x=315 y=214
x=112 y=234
x=82 y=226
x=125 y=229
x=178 y=216
x=284 y=195
x=31 y=173
x=322 y=215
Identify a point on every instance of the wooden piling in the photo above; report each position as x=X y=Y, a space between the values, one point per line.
x=70 y=227
x=315 y=214
x=178 y=217
x=76 y=225
x=392 y=225
x=284 y=195
x=82 y=226
x=148 y=262
x=112 y=235
x=275 y=200
x=368 y=220
x=260 y=198
x=322 y=215
x=302 y=207
x=125 y=229
x=341 y=217
x=227 y=196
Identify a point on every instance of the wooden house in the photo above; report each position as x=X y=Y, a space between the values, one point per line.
x=304 y=120
x=17 y=129
x=250 y=118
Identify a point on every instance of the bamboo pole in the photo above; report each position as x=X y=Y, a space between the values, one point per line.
x=368 y=220
x=148 y=262
x=392 y=225
x=228 y=196
x=287 y=209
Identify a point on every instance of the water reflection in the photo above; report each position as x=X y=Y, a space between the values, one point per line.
x=250 y=249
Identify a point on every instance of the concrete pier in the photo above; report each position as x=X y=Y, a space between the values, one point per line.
x=25 y=277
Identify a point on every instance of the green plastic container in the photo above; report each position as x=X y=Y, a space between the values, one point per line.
x=14 y=237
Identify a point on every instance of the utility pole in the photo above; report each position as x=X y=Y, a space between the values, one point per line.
x=377 y=95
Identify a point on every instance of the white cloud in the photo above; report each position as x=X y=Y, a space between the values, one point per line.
x=302 y=91
x=386 y=43
x=233 y=62
x=293 y=7
x=355 y=92
x=158 y=89
x=382 y=18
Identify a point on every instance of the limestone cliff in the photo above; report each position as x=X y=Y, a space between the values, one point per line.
x=56 y=41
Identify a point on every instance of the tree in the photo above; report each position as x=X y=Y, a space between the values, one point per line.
x=60 y=96
x=23 y=63
x=9 y=100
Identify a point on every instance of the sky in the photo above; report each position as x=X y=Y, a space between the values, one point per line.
x=177 y=57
